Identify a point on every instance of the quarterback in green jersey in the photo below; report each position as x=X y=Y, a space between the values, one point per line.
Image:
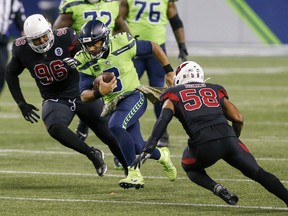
x=126 y=105
x=148 y=20
x=75 y=13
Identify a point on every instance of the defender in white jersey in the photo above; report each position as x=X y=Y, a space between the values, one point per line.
x=102 y=54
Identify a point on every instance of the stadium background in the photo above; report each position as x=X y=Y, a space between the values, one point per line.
x=40 y=177
x=217 y=21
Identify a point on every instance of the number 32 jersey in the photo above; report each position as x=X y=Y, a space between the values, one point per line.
x=198 y=106
x=54 y=78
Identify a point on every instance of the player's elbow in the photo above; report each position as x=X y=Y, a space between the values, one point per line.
x=86 y=96
x=83 y=98
x=238 y=118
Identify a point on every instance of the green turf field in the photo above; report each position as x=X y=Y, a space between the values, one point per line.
x=39 y=176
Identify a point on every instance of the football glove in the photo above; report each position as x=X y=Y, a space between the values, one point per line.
x=140 y=160
x=70 y=61
x=182 y=52
x=28 y=112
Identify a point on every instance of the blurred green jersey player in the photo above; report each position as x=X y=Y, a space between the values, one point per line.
x=75 y=13
x=148 y=20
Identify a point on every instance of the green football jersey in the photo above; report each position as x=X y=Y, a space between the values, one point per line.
x=122 y=48
x=148 y=19
x=82 y=11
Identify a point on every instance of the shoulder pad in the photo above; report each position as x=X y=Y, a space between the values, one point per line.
x=124 y=34
x=20 y=41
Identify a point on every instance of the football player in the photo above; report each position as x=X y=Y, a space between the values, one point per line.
x=47 y=55
x=75 y=13
x=126 y=105
x=148 y=20
x=204 y=110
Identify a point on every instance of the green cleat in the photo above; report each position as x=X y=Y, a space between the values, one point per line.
x=168 y=166
x=134 y=179
x=117 y=164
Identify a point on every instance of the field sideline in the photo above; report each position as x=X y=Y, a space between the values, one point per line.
x=38 y=176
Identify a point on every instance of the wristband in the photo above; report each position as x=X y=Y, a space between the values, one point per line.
x=168 y=68
x=97 y=94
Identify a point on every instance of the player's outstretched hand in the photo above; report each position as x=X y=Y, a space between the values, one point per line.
x=170 y=79
x=28 y=112
x=140 y=160
x=182 y=52
x=70 y=61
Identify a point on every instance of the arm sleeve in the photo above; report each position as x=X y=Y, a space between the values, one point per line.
x=176 y=22
x=158 y=129
x=13 y=70
x=222 y=93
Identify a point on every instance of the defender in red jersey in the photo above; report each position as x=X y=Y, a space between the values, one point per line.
x=48 y=56
x=204 y=111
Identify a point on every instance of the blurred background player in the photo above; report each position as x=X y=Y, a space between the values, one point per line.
x=47 y=55
x=102 y=54
x=11 y=11
x=75 y=13
x=204 y=111
x=147 y=20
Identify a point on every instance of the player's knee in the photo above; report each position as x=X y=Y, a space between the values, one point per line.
x=56 y=130
x=116 y=130
x=188 y=164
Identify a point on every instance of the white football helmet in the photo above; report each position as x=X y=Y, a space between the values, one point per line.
x=188 y=71
x=36 y=26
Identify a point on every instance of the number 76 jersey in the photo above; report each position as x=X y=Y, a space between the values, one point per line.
x=197 y=105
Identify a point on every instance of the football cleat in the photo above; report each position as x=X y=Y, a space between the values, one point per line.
x=134 y=179
x=97 y=158
x=224 y=194
x=117 y=164
x=165 y=160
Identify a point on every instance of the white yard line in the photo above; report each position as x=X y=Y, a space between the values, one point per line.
x=6 y=151
x=43 y=199
x=110 y=175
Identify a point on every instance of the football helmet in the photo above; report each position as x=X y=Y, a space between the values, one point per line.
x=188 y=71
x=36 y=26
x=91 y=32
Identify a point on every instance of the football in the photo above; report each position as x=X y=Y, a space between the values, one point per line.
x=107 y=77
